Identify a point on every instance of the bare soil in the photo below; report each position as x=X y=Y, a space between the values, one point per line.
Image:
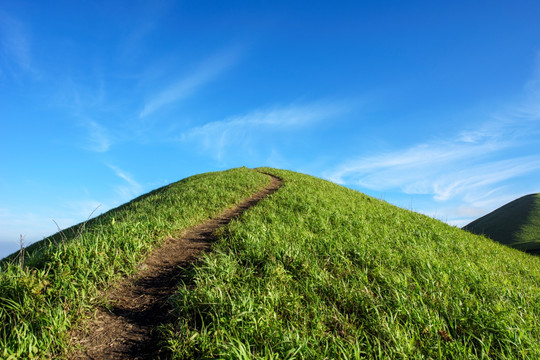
x=125 y=329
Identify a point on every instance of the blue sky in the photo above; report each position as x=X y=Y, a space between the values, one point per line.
x=433 y=106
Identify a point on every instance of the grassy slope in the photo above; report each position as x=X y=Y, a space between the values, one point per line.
x=516 y=224
x=318 y=271
x=62 y=275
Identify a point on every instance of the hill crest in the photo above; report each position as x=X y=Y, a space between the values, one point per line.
x=516 y=224
x=314 y=271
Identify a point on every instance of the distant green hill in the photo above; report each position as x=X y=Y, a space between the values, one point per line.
x=314 y=271
x=516 y=224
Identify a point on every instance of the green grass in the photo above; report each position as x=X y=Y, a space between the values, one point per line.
x=61 y=277
x=516 y=224
x=315 y=271
x=318 y=271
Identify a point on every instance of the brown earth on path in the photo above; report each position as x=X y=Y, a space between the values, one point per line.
x=138 y=304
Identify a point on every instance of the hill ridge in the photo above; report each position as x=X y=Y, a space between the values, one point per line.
x=315 y=271
x=516 y=224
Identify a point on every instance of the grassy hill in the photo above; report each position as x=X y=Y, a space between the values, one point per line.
x=516 y=224
x=315 y=271
x=61 y=276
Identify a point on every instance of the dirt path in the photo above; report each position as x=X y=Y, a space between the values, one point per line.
x=139 y=303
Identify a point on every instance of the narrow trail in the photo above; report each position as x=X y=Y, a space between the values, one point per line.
x=138 y=304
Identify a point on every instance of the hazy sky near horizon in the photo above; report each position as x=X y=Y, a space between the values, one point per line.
x=432 y=106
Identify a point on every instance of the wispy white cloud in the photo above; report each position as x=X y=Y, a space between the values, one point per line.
x=482 y=177
x=14 y=42
x=378 y=171
x=136 y=31
x=441 y=169
x=240 y=131
x=207 y=71
x=99 y=139
x=87 y=101
x=131 y=188
x=471 y=170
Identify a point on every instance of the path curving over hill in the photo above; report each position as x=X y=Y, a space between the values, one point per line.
x=138 y=304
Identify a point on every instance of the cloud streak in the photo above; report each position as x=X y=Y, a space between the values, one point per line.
x=467 y=170
x=240 y=131
x=185 y=87
x=98 y=137
x=442 y=169
x=14 y=42
x=131 y=188
x=408 y=168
